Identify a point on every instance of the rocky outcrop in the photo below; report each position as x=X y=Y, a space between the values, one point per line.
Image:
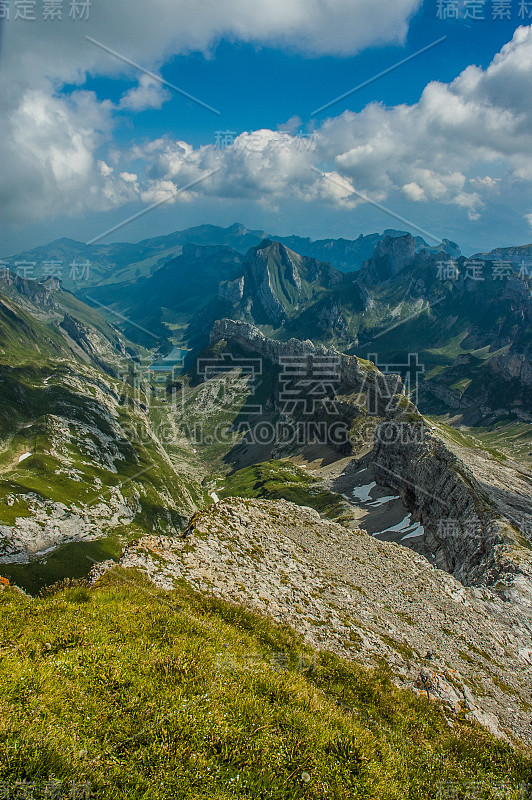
x=383 y=391
x=365 y=298
x=279 y=282
x=461 y=524
x=259 y=285
x=466 y=531
x=79 y=333
x=331 y=319
x=232 y=291
x=42 y=294
x=512 y=367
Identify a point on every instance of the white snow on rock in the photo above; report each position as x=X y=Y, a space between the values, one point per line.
x=419 y=530
x=380 y=501
x=363 y=493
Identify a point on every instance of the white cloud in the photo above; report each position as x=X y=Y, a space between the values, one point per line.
x=414 y=191
x=150 y=93
x=428 y=149
x=428 y=152
x=59 y=157
x=293 y=125
x=486 y=182
x=54 y=168
x=149 y=34
x=105 y=169
x=48 y=155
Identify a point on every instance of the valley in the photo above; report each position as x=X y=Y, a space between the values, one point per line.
x=346 y=453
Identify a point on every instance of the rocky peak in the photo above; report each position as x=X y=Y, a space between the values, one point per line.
x=258 y=280
x=485 y=547
x=42 y=294
x=391 y=256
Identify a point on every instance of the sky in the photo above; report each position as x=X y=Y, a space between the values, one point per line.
x=149 y=118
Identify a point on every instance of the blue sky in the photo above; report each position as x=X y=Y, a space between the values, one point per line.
x=91 y=141
x=262 y=87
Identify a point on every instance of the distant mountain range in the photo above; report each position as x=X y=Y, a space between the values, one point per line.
x=122 y=262
x=469 y=321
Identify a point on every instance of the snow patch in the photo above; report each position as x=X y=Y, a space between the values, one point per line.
x=380 y=501
x=363 y=493
x=418 y=530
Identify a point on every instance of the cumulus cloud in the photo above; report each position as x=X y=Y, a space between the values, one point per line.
x=437 y=150
x=430 y=151
x=149 y=34
x=414 y=191
x=149 y=94
x=54 y=169
x=48 y=163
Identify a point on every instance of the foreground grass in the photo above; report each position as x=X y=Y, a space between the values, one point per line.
x=147 y=694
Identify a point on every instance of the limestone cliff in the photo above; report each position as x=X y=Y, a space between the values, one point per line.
x=472 y=531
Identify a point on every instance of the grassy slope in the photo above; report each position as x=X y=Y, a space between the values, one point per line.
x=153 y=695
x=281 y=480
x=42 y=380
x=141 y=470
x=511 y=436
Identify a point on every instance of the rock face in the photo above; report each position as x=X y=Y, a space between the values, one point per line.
x=232 y=291
x=40 y=293
x=79 y=333
x=356 y=375
x=259 y=284
x=390 y=257
x=331 y=318
x=463 y=527
x=512 y=367
x=467 y=529
x=363 y=599
x=365 y=298
x=279 y=282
